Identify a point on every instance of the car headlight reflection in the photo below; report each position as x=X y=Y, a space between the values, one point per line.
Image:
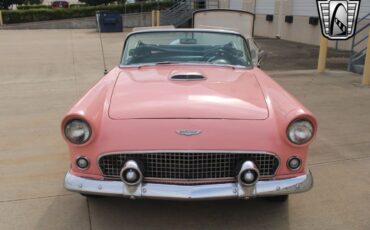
x=77 y=131
x=300 y=131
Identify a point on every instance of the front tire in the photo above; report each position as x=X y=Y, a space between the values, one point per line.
x=280 y=199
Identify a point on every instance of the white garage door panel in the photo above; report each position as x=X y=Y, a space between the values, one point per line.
x=305 y=8
x=364 y=8
x=265 y=6
x=236 y=4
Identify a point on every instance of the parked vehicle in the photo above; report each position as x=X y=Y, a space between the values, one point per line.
x=59 y=4
x=187 y=115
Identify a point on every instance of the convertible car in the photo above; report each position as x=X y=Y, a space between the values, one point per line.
x=187 y=115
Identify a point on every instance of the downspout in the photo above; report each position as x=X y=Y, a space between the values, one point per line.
x=281 y=8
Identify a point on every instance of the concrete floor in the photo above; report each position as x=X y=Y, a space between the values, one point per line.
x=43 y=72
x=285 y=55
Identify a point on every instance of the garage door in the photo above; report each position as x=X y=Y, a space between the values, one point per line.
x=364 y=9
x=236 y=4
x=265 y=6
x=304 y=8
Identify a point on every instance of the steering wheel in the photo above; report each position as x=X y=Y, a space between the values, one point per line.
x=218 y=61
x=224 y=54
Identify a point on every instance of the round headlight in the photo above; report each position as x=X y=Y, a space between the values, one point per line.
x=300 y=132
x=77 y=131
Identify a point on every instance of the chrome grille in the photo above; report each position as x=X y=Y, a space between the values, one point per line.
x=190 y=166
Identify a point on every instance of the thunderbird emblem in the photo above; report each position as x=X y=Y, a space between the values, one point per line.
x=188 y=132
x=338 y=18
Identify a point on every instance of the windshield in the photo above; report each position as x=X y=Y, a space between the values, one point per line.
x=167 y=47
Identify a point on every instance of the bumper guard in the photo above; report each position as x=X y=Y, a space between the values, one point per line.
x=186 y=192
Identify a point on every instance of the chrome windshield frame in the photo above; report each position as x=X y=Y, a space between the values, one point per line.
x=248 y=53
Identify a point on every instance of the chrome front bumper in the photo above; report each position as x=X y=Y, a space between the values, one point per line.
x=185 y=192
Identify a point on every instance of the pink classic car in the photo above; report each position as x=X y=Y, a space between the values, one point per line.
x=187 y=115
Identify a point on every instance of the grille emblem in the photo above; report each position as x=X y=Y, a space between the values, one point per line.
x=188 y=132
x=338 y=18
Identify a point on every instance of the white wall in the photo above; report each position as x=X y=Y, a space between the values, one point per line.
x=300 y=30
x=364 y=8
x=304 y=8
x=309 y=8
x=265 y=6
x=236 y=4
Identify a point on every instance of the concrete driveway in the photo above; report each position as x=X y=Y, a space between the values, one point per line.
x=286 y=55
x=43 y=72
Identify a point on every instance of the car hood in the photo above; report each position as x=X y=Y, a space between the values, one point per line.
x=150 y=93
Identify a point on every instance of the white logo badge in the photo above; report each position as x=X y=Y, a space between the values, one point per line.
x=338 y=18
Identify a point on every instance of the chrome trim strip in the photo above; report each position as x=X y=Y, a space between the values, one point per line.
x=190 y=181
x=187 y=181
x=251 y=66
x=193 y=151
x=184 y=192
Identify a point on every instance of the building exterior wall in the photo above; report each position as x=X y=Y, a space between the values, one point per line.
x=224 y=4
x=48 y=2
x=304 y=8
x=265 y=7
x=300 y=30
x=248 y=5
x=264 y=28
x=137 y=19
x=129 y=20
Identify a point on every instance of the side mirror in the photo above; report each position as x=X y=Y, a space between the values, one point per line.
x=261 y=55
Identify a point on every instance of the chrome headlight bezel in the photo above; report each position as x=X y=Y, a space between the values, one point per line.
x=300 y=131
x=75 y=125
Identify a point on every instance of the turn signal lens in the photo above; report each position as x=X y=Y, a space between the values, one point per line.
x=294 y=163
x=82 y=163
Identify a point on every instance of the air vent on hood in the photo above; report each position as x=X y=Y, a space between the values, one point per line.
x=187 y=77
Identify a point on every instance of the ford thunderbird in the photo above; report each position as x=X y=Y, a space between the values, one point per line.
x=188 y=115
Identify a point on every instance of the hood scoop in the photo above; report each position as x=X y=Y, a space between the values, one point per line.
x=187 y=77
